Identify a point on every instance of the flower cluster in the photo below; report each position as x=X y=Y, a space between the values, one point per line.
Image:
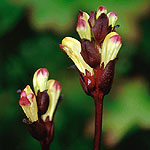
x=95 y=54
x=40 y=106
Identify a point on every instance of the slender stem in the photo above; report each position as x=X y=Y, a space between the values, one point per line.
x=98 y=120
x=45 y=146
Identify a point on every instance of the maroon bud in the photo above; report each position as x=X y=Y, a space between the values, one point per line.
x=92 y=19
x=107 y=76
x=100 y=28
x=42 y=130
x=89 y=53
x=37 y=130
x=42 y=102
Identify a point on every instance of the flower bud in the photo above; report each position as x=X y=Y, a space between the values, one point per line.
x=83 y=27
x=107 y=76
x=101 y=9
x=42 y=102
x=110 y=47
x=89 y=53
x=40 y=80
x=112 y=16
x=100 y=28
x=54 y=89
x=28 y=103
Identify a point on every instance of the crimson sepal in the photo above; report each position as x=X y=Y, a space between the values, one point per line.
x=89 y=81
x=42 y=130
x=107 y=76
x=42 y=102
x=92 y=19
x=89 y=53
x=100 y=28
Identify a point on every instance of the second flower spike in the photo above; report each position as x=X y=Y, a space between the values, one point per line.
x=40 y=106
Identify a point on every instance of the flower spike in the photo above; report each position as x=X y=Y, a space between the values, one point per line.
x=95 y=57
x=40 y=107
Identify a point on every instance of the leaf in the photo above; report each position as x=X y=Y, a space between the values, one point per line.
x=9 y=16
x=130 y=108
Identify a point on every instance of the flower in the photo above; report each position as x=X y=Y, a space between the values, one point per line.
x=45 y=99
x=95 y=54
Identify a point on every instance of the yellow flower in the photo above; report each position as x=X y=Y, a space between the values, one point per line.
x=73 y=49
x=28 y=103
x=110 y=47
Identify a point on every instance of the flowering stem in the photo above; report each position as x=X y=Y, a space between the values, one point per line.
x=45 y=146
x=98 y=120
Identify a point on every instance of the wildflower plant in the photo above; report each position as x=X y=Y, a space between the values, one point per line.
x=95 y=56
x=40 y=105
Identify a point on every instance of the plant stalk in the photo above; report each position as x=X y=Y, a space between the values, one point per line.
x=98 y=121
x=45 y=146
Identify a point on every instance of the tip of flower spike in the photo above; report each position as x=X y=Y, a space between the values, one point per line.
x=39 y=79
x=42 y=71
x=101 y=9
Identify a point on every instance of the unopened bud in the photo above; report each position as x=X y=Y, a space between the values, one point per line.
x=40 y=80
x=42 y=102
x=101 y=9
x=112 y=16
x=83 y=27
x=100 y=28
x=89 y=53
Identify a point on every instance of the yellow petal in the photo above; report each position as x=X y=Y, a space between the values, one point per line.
x=54 y=90
x=112 y=16
x=83 y=27
x=28 y=103
x=40 y=80
x=73 y=48
x=110 y=47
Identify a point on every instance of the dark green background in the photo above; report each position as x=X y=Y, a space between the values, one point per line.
x=30 y=34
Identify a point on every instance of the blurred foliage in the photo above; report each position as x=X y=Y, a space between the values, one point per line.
x=30 y=33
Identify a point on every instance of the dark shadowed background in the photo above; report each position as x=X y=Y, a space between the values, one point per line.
x=30 y=34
